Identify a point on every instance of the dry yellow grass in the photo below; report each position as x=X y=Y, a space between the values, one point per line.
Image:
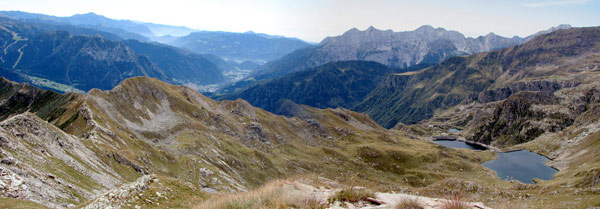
x=277 y=194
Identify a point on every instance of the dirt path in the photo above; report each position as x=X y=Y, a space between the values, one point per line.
x=20 y=50
x=16 y=38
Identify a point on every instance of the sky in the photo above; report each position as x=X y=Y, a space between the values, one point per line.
x=313 y=20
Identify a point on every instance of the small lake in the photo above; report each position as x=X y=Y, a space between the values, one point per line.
x=522 y=165
x=459 y=144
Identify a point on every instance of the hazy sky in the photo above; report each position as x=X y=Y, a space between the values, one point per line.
x=313 y=20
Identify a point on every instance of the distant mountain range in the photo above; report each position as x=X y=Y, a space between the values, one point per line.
x=425 y=45
x=123 y=29
x=127 y=28
x=239 y=47
x=41 y=54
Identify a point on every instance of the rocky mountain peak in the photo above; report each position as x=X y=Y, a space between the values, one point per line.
x=87 y=17
x=550 y=30
x=350 y=32
x=402 y=49
x=89 y=14
x=491 y=34
x=425 y=28
x=563 y=26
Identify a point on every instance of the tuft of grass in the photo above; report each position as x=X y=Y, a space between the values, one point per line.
x=455 y=202
x=312 y=203
x=352 y=195
x=409 y=203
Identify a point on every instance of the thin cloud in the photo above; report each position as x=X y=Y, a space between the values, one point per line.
x=556 y=3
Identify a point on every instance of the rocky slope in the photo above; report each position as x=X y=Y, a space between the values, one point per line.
x=46 y=164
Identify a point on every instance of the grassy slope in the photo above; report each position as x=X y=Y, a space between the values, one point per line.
x=403 y=156
x=335 y=143
x=19 y=204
